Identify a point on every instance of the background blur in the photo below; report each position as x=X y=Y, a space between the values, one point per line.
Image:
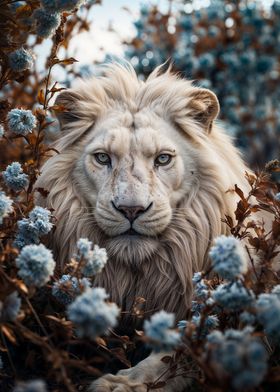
x=231 y=47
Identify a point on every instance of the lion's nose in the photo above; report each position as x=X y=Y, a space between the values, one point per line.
x=131 y=212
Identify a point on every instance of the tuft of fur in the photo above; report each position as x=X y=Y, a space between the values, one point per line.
x=164 y=277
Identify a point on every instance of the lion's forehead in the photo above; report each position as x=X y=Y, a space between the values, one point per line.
x=128 y=135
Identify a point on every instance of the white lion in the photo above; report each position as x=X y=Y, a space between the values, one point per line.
x=144 y=171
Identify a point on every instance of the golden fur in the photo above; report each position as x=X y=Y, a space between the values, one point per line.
x=160 y=270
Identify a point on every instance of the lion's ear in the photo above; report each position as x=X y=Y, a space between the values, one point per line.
x=203 y=107
x=68 y=107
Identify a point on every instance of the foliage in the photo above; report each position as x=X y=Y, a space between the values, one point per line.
x=230 y=47
x=56 y=330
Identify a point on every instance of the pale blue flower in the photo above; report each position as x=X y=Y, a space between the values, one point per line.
x=31 y=386
x=14 y=177
x=10 y=307
x=21 y=121
x=228 y=257
x=277 y=196
x=20 y=60
x=36 y=265
x=2 y=131
x=247 y=318
x=47 y=22
x=61 y=5
x=68 y=287
x=91 y=314
x=229 y=352
x=233 y=296
x=268 y=314
x=5 y=206
x=30 y=229
x=94 y=259
x=158 y=329
x=84 y=247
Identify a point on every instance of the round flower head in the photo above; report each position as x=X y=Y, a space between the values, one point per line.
x=20 y=60
x=268 y=314
x=14 y=177
x=21 y=121
x=229 y=352
x=84 y=247
x=31 y=386
x=158 y=329
x=277 y=196
x=95 y=261
x=35 y=264
x=11 y=307
x=91 y=314
x=47 y=22
x=228 y=257
x=2 y=131
x=68 y=287
x=233 y=297
x=61 y=5
x=5 y=206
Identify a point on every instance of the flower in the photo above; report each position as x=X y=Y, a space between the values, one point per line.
x=35 y=264
x=229 y=352
x=47 y=22
x=61 y=5
x=84 y=247
x=2 y=131
x=68 y=287
x=233 y=296
x=21 y=121
x=31 y=386
x=247 y=318
x=29 y=230
x=277 y=196
x=94 y=260
x=158 y=329
x=14 y=177
x=5 y=206
x=268 y=313
x=91 y=314
x=20 y=60
x=209 y=323
x=10 y=307
x=228 y=257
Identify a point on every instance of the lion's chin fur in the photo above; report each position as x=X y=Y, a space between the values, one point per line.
x=132 y=249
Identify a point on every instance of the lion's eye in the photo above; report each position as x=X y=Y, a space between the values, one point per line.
x=102 y=158
x=163 y=159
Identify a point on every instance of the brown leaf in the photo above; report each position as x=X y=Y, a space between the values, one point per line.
x=41 y=97
x=9 y=334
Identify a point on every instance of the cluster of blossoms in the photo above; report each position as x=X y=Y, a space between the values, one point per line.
x=21 y=121
x=48 y=16
x=92 y=314
x=235 y=355
x=159 y=330
x=68 y=287
x=32 y=228
x=238 y=355
x=230 y=47
x=5 y=206
x=14 y=177
x=93 y=260
x=36 y=265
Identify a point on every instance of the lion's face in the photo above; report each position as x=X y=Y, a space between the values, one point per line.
x=133 y=171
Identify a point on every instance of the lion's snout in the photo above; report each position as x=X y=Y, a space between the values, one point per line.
x=131 y=212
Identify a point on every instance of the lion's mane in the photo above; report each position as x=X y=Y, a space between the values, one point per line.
x=164 y=279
